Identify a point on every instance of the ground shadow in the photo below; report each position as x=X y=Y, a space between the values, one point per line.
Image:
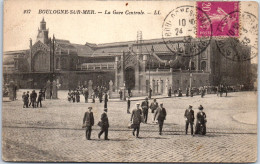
x=152 y=138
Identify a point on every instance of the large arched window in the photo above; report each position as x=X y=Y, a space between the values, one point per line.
x=203 y=65
x=192 y=66
x=63 y=63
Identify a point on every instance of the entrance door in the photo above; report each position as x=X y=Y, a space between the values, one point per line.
x=130 y=78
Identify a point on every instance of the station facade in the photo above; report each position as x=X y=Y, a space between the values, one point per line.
x=135 y=65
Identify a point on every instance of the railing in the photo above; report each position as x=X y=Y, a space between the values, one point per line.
x=175 y=70
x=96 y=66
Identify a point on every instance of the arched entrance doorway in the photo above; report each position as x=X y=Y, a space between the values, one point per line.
x=40 y=62
x=129 y=78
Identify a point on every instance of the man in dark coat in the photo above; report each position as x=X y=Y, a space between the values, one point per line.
x=145 y=107
x=100 y=95
x=154 y=105
x=88 y=121
x=39 y=100
x=189 y=117
x=121 y=94
x=136 y=119
x=150 y=93
x=160 y=115
x=24 y=99
x=104 y=125
x=77 y=96
x=27 y=98
x=170 y=92
x=86 y=95
x=128 y=105
x=105 y=100
x=33 y=98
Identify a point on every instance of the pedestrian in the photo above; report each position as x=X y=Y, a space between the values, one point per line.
x=100 y=96
x=121 y=94
x=150 y=93
x=179 y=92
x=27 y=98
x=30 y=97
x=77 y=96
x=129 y=92
x=202 y=92
x=145 y=107
x=160 y=115
x=86 y=95
x=105 y=100
x=201 y=122
x=93 y=97
x=191 y=92
x=154 y=105
x=187 y=92
x=88 y=122
x=104 y=125
x=73 y=96
x=189 y=118
x=128 y=105
x=136 y=119
x=43 y=93
x=24 y=99
x=170 y=92
x=39 y=99
x=69 y=96
x=33 y=98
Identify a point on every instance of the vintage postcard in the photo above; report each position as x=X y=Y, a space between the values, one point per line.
x=129 y=81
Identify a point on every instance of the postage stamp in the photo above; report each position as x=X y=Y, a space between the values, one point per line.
x=219 y=12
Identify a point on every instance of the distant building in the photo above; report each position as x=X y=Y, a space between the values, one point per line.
x=138 y=61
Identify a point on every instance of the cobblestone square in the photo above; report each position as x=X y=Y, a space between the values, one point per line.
x=53 y=132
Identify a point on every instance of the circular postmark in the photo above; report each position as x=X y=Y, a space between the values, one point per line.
x=244 y=46
x=179 y=31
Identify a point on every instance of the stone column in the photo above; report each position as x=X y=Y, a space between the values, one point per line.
x=137 y=72
x=159 y=86
x=90 y=89
x=54 y=90
x=110 y=88
x=166 y=86
x=48 y=90
x=116 y=73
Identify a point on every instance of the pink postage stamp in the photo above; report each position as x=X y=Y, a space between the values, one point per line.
x=224 y=17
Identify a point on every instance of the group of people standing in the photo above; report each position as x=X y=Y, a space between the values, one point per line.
x=74 y=96
x=31 y=99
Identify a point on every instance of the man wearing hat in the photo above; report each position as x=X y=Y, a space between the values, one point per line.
x=145 y=107
x=128 y=105
x=189 y=118
x=160 y=115
x=88 y=121
x=104 y=125
x=201 y=122
x=154 y=105
x=136 y=119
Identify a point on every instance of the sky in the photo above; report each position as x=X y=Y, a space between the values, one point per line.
x=20 y=26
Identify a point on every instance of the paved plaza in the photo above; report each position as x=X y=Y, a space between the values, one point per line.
x=54 y=133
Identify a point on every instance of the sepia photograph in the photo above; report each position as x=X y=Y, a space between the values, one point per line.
x=130 y=81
